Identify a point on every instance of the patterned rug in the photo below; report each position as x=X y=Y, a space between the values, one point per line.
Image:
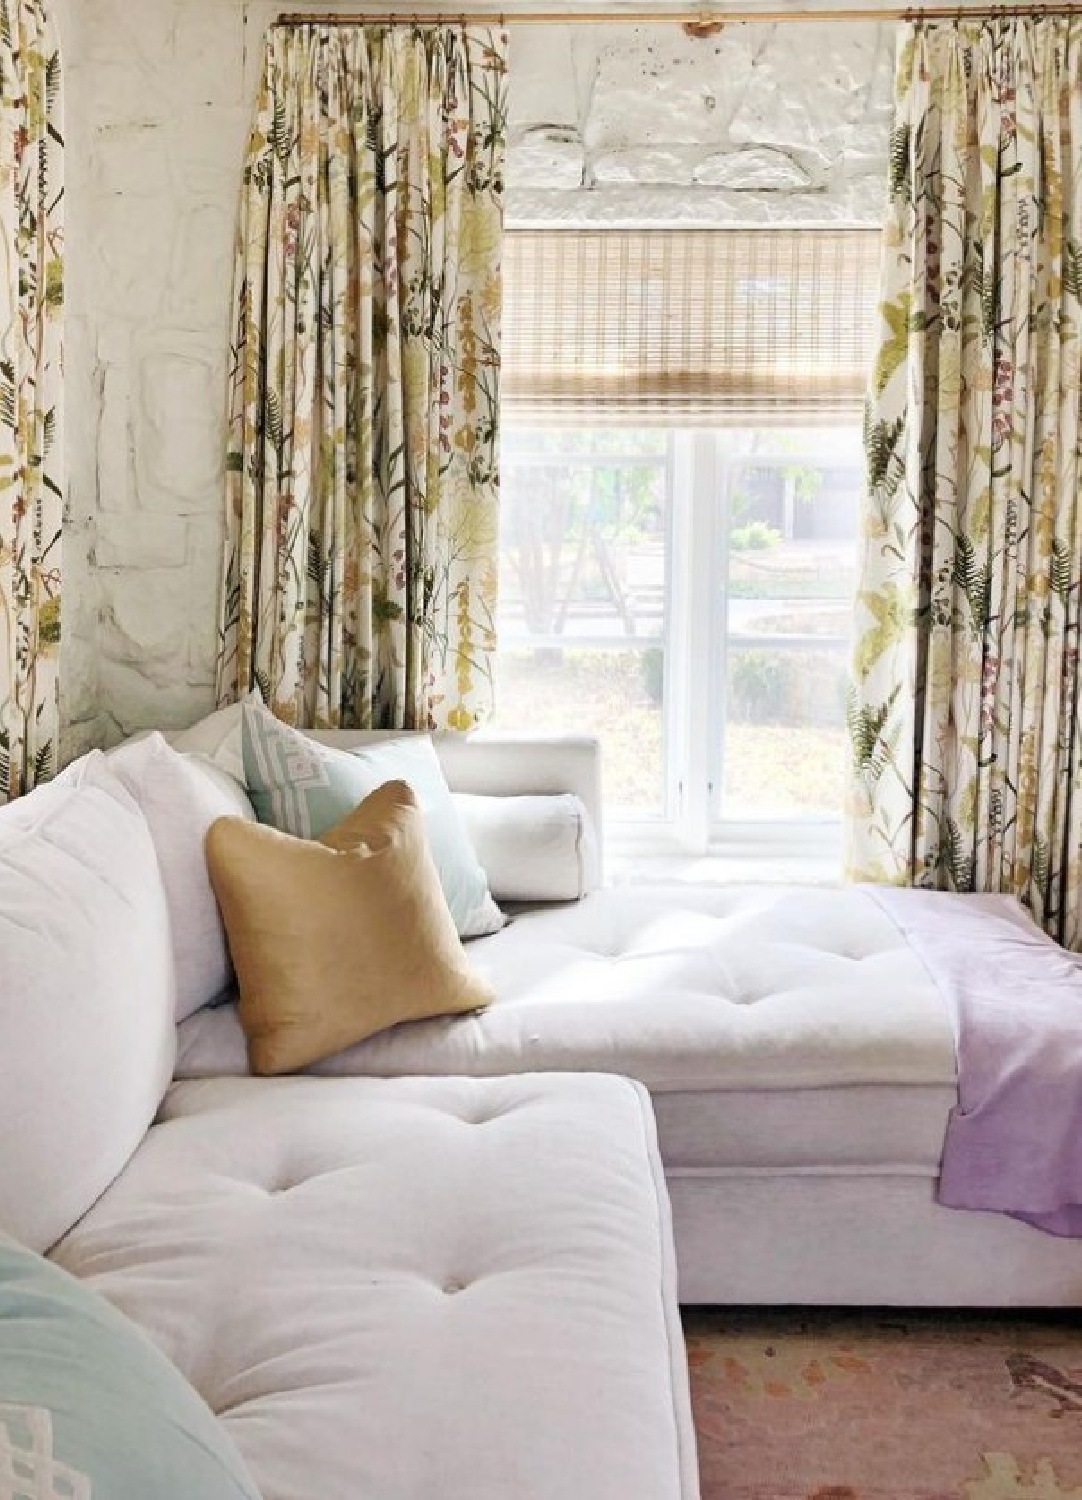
x=798 y=1405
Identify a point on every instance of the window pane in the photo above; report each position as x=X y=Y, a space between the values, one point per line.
x=784 y=736
x=793 y=502
x=584 y=527
x=616 y=695
x=582 y=536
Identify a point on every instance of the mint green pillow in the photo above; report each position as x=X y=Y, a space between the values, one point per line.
x=303 y=788
x=90 y=1408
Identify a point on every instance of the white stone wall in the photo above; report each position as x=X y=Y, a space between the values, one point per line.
x=759 y=124
x=155 y=125
x=609 y=124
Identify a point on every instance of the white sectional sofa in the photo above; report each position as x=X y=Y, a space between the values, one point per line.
x=798 y=1054
x=402 y=1288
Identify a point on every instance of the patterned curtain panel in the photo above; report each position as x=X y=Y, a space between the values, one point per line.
x=360 y=575
x=965 y=718
x=31 y=297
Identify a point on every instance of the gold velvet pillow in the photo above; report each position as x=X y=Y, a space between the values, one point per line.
x=336 y=938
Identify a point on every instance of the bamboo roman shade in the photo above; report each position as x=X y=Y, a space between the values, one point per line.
x=688 y=324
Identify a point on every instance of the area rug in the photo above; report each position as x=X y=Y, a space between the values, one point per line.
x=797 y=1405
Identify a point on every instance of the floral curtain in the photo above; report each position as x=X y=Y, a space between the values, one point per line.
x=360 y=570
x=31 y=298
x=965 y=716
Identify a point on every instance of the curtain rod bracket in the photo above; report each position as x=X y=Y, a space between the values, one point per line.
x=707 y=25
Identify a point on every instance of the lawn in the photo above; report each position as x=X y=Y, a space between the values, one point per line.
x=771 y=768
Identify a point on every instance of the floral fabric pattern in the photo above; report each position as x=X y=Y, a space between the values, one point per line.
x=31 y=306
x=965 y=716
x=360 y=570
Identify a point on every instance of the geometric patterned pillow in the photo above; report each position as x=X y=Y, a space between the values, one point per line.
x=90 y=1409
x=303 y=788
x=28 y=1462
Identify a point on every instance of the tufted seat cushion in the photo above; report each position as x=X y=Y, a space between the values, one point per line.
x=412 y=1288
x=776 y=1027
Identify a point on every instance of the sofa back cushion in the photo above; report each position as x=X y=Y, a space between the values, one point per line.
x=180 y=796
x=87 y=997
x=89 y=1408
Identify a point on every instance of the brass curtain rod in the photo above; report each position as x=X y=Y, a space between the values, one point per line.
x=705 y=20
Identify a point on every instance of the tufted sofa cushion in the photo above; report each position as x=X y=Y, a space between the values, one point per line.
x=412 y=1288
x=775 y=1026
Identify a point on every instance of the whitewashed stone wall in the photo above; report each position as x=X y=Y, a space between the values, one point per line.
x=759 y=124
x=609 y=124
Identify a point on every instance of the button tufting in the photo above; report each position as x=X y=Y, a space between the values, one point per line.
x=453 y=1286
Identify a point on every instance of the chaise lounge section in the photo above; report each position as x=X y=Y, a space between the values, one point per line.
x=411 y=1288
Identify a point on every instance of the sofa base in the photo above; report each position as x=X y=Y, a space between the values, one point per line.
x=875 y=1240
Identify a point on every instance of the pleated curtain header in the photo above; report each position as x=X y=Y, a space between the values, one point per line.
x=691 y=325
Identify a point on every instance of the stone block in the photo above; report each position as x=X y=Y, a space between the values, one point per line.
x=180 y=425
x=205 y=567
x=638 y=205
x=79 y=628
x=116 y=32
x=201 y=275
x=755 y=169
x=208 y=53
x=115 y=458
x=125 y=93
x=542 y=86
x=548 y=156
x=144 y=614
x=203 y=652
x=131 y=249
x=131 y=160
x=811 y=85
x=141 y=541
x=206 y=148
x=655 y=86
x=868 y=156
x=135 y=701
x=113 y=342
x=79 y=737
x=649 y=165
x=78 y=678
x=82 y=414
x=864 y=202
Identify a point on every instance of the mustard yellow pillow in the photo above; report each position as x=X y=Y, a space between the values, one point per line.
x=336 y=938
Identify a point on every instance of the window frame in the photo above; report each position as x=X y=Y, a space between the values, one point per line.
x=697 y=646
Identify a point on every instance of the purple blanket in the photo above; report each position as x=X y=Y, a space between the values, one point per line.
x=1014 y=1142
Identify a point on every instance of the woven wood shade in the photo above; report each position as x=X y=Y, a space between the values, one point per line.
x=688 y=325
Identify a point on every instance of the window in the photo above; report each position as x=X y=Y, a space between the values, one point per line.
x=678 y=549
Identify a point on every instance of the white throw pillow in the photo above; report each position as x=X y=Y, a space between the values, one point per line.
x=532 y=848
x=87 y=997
x=181 y=796
x=218 y=737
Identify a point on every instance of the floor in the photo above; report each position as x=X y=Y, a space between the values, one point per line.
x=792 y=1404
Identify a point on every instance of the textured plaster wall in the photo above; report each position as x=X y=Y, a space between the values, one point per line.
x=609 y=124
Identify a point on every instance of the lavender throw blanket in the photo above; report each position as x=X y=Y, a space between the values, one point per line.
x=1014 y=1142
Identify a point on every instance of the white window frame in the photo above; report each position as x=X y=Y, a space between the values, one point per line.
x=696 y=641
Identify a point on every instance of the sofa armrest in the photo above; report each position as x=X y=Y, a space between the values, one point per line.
x=506 y=763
